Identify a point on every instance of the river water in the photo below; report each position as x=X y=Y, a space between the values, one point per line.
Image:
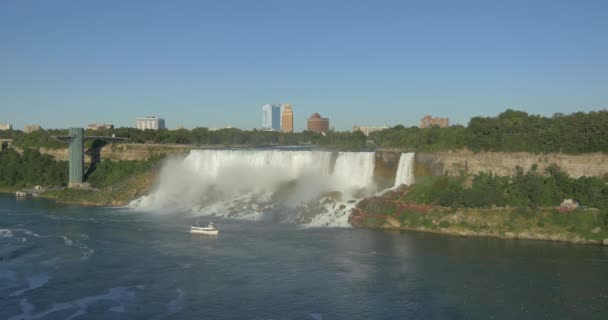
x=67 y=262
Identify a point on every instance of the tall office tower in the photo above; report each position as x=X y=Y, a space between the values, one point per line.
x=271 y=116
x=287 y=118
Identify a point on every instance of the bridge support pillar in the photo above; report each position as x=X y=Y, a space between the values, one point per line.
x=76 y=155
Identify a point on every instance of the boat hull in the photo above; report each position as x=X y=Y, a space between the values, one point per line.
x=207 y=232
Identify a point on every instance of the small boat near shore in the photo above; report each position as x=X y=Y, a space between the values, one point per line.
x=20 y=194
x=210 y=229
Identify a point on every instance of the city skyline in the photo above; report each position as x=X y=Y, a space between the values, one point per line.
x=70 y=64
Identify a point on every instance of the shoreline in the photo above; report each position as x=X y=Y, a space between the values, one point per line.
x=57 y=199
x=382 y=223
x=548 y=224
x=474 y=234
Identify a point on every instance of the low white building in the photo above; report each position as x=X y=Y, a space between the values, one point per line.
x=6 y=126
x=153 y=123
x=368 y=130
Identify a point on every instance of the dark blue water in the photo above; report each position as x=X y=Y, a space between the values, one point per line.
x=60 y=262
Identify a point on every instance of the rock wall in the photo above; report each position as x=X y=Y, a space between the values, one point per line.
x=455 y=162
x=117 y=152
x=386 y=168
x=436 y=163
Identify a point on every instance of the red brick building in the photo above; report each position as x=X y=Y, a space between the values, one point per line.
x=429 y=122
x=318 y=124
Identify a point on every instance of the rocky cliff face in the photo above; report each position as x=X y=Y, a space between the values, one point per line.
x=436 y=163
x=452 y=163
x=117 y=152
x=385 y=168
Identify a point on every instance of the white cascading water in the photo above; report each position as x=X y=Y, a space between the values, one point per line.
x=250 y=184
x=405 y=170
x=354 y=169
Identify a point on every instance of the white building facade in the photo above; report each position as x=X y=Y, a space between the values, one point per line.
x=153 y=123
x=368 y=130
x=6 y=126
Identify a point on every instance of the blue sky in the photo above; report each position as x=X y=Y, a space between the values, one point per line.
x=215 y=63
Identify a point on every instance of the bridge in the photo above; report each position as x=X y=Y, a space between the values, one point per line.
x=76 y=139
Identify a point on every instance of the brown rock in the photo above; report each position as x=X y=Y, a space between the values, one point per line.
x=394 y=222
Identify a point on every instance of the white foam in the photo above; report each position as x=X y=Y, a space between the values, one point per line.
x=6 y=233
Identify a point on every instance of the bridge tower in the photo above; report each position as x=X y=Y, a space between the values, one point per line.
x=76 y=139
x=76 y=155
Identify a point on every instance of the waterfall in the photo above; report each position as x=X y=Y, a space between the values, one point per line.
x=355 y=169
x=405 y=170
x=304 y=186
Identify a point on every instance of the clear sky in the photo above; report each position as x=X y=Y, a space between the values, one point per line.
x=215 y=63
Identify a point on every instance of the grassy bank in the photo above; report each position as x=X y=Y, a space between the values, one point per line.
x=389 y=211
x=8 y=189
x=114 y=183
x=119 y=194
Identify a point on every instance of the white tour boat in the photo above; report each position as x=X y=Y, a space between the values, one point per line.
x=209 y=229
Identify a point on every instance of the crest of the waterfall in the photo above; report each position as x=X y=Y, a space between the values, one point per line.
x=405 y=170
x=264 y=170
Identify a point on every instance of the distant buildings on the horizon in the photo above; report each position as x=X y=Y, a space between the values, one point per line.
x=216 y=129
x=429 y=122
x=287 y=118
x=318 y=124
x=271 y=116
x=31 y=128
x=367 y=130
x=277 y=117
x=150 y=122
x=95 y=126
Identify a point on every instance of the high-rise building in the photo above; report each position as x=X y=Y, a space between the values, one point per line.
x=287 y=118
x=6 y=126
x=368 y=130
x=153 y=123
x=271 y=116
x=429 y=122
x=318 y=124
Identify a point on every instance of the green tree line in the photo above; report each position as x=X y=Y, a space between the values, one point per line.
x=196 y=136
x=531 y=189
x=109 y=173
x=31 y=168
x=510 y=131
